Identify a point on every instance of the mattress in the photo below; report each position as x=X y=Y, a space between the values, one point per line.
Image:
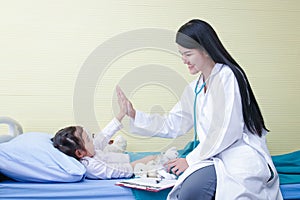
x=290 y=191
x=86 y=189
x=91 y=189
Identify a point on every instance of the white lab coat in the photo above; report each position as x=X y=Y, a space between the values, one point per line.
x=107 y=165
x=241 y=158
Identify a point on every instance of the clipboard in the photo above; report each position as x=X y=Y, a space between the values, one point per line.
x=148 y=184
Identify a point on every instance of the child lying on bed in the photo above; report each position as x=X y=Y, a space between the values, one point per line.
x=95 y=154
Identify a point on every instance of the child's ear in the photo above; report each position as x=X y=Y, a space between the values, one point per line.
x=80 y=153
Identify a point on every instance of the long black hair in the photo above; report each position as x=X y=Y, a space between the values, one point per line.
x=198 y=34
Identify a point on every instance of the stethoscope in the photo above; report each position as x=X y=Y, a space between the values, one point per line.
x=197 y=92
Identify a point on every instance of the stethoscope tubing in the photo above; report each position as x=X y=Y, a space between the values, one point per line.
x=197 y=92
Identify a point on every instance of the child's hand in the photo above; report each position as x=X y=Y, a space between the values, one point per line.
x=125 y=104
x=122 y=104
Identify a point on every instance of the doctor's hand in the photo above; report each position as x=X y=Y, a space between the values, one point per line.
x=177 y=166
x=130 y=111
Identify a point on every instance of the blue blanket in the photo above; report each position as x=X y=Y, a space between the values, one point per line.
x=288 y=167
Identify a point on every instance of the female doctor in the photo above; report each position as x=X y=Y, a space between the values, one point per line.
x=232 y=160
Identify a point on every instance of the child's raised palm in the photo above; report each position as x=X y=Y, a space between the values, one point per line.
x=124 y=103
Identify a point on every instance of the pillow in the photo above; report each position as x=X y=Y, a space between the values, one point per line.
x=32 y=157
x=5 y=138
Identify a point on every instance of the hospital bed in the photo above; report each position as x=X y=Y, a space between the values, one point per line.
x=94 y=189
x=106 y=189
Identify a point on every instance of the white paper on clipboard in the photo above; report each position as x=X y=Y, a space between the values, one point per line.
x=148 y=184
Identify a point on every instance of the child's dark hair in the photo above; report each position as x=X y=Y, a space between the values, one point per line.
x=67 y=142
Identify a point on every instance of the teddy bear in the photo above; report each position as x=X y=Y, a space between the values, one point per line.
x=118 y=145
x=155 y=168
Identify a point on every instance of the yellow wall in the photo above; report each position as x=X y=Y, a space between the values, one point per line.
x=45 y=45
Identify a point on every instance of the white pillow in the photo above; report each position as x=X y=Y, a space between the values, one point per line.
x=32 y=157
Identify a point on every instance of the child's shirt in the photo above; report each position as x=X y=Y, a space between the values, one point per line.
x=107 y=165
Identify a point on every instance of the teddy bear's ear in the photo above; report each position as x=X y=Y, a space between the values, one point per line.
x=171 y=153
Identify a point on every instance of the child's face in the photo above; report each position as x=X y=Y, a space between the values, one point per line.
x=88 y=144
